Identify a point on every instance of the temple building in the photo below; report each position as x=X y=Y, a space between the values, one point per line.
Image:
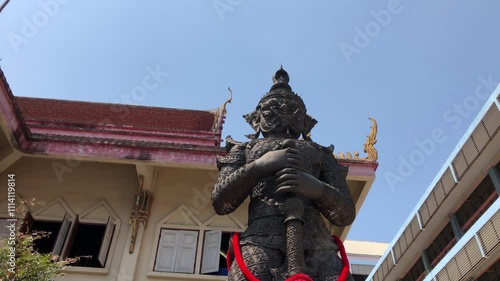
x=453 y=232
x=127 y=188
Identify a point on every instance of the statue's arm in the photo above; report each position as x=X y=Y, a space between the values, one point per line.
x=335 y=202
x=237 y=178
x=235 y=181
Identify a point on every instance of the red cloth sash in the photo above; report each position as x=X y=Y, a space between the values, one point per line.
x=297 y=277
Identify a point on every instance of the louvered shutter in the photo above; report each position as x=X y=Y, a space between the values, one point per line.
x=106 y=242
x=211 y=251
x=186 y=253
x=167 y=251
x=61 y=236
x=71 y=237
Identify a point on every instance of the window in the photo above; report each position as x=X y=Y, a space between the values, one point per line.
x=49 y=231
x=54 y=233
x=492 y=273
x=359 y=277
x=215 y=249
x=476 y=204
x=89 y=242
x=441 y=245
x=177 y=251
x=416 y=272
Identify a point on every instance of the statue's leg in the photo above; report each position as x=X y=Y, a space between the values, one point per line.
x=324 y=265
x=259 y=260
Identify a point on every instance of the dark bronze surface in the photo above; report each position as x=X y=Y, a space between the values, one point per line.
x=291 y=183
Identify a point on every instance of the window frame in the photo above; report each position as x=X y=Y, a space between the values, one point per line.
x=470 y=210
x=83 y=217
x=179 y=233
x=108 y=235
x=445 y=247
x=110 y=251
x=66 y=247
x=216 y=268
x=65 y=242
x=29 y=219
x=183 y=218
x=202 y=230
x=491 y=270
x=415 y=267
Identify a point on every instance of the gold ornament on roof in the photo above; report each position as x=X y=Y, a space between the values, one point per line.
x=368 y=147
x=221 y=112
x=371 y=140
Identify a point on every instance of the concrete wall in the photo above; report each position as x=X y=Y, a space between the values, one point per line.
x=94 y=189
x=83 y=189
x=188 y=190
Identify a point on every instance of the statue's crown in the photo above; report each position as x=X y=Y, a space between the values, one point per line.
x=280 y=86
x=281 y=79
x=279 y=90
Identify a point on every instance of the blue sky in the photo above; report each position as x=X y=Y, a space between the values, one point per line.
x=422 y=69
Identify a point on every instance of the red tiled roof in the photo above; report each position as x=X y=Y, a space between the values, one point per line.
x=90 y=113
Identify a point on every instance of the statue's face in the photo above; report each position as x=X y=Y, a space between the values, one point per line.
x=282 y=117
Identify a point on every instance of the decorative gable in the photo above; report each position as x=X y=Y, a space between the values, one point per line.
x=181 y=216
x=99 y=213
x=228 y=222
x=54 y=210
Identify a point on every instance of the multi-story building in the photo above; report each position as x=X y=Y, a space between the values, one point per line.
x=454 y=231
x=363 y=256
x=127 y=188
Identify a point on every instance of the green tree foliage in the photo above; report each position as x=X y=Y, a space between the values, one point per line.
x=29 y=264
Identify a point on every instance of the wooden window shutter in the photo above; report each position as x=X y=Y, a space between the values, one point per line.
x=71 y=237
x=211 y=251
x=167 y=251
x=61 y=236
x=106 y=242
x=186 y=253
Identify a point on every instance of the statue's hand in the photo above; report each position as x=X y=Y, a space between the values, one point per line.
x=298 y=182
x=276 y=160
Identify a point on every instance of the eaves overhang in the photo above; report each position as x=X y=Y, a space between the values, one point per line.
x=105 y=142
x=477 y=150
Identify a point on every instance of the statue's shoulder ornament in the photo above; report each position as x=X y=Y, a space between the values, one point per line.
x=331 y=163
x=235 y=153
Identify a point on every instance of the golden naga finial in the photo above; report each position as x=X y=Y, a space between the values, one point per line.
x=368 y=147
x=224 y=111
x=221 y=112
x=371 y=140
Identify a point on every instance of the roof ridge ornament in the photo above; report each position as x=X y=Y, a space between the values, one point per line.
x=220 y=113
x=371 y=140
x=368 y=147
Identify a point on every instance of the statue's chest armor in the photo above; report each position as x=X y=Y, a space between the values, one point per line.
x=265 y=189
